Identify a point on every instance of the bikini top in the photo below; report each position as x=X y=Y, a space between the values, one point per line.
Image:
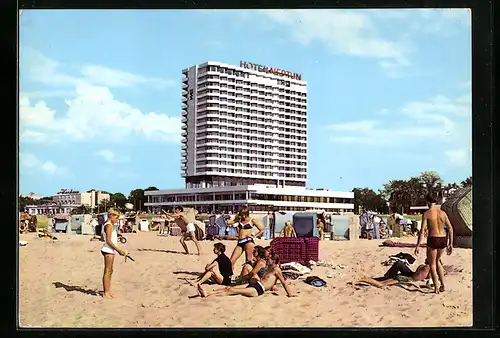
x=247 y=226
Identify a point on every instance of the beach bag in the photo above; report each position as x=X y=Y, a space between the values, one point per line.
x=315 y=281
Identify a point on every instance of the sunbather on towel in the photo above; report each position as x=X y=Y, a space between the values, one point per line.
x=399 y=273
x=255 y=289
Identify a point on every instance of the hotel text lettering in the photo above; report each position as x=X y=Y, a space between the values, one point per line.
x=275 y=71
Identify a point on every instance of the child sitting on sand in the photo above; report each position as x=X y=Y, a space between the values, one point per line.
x=220 y=269
x=257 y=288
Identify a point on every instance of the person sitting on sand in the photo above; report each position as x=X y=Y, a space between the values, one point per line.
x=187 y=227
x=256 y=288
x=399 y=273
x=220 y=269
x=256 y=268
x=109 y=249
x=245 y=223
x=288 y=230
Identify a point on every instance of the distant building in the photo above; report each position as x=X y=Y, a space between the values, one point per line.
x=75 y=198
x=49 y=209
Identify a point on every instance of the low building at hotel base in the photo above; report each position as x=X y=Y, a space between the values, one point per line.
x=244 y=142
x=257 y=197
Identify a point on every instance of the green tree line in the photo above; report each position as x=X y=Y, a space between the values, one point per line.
x=400 y=195
x=116 y=200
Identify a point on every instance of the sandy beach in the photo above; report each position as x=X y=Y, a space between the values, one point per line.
x=60 y=281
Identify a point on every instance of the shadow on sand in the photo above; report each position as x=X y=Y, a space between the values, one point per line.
x=197 y=274
x=70 y=288
x=165 y=251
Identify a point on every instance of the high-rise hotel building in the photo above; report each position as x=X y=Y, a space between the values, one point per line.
x=244 y=142
x=244 y=124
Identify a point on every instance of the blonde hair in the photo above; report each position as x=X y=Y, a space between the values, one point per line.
x=112 y=211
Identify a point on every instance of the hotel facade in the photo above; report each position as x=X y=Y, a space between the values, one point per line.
x=244 y=142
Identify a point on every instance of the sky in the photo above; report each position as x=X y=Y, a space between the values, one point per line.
x=389 y=91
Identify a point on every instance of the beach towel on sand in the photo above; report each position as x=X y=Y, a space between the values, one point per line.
x=295 y=266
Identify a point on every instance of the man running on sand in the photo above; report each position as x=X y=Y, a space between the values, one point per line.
x=434 y=221
x=187 y=227
x=256 y=288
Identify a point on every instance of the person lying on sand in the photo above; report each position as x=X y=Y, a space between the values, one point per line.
x=254 y=269
x=257 y=288
x=220 y=269
x=399 y=274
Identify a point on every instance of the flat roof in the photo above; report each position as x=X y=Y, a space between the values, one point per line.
x=298 y=191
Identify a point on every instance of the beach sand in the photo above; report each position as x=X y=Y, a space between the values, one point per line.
x=59 y=281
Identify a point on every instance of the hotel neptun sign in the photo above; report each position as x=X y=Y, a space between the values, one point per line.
x=275 y=71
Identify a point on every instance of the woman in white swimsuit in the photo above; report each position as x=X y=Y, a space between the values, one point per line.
x=245 y=224
x=109 y=249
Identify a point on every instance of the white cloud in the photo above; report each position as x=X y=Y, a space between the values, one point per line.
x=31 y=163
x=48 y=94
x=27 y=160
x=458 y=157
x=392 y=69
x=360 y=126
x=29 y=136
x=91 y=112
x=358 y=33
x=49 y=167
x=118 y=78
x=465 y=84
x=110 y=157
x=38 y=68
x=344 y=32
x=441 y=120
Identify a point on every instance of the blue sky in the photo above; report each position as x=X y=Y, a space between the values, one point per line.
x=389 y=91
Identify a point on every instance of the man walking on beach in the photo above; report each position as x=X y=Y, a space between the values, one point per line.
x=434 y=221
x=187 y=227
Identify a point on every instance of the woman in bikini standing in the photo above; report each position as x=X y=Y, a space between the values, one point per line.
x=245 y=223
